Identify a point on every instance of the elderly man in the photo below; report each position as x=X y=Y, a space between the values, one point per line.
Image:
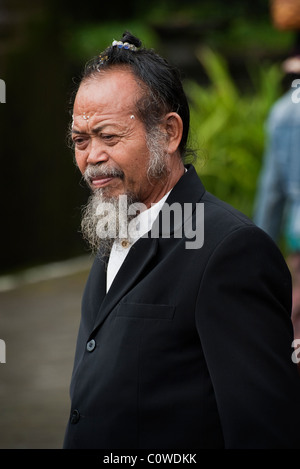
x=182 y=344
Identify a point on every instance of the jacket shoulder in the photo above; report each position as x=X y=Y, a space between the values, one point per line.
x=225 y=215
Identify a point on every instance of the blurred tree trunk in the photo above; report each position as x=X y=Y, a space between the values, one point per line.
x=39 y=189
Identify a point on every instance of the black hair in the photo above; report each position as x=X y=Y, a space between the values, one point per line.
x=161 y=82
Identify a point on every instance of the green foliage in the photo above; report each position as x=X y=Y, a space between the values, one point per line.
x=251 y=36
x=228 y=126
x=87 y=40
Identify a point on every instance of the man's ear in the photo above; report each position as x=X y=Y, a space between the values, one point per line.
x=174 y=128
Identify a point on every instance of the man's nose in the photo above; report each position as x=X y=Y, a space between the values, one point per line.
x=97 y=153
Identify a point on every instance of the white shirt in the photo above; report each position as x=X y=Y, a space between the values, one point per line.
x=142 y=224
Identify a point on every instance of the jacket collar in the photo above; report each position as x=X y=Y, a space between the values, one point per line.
x=189 y=188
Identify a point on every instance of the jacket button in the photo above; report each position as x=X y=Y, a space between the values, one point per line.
x=90 y=346
x=75 y=416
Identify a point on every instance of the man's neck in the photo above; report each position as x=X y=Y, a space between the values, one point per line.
x=174 y=173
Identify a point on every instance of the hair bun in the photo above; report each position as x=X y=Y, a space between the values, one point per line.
x=128 y=37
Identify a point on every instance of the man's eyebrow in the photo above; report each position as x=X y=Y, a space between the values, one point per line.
x=96 y=130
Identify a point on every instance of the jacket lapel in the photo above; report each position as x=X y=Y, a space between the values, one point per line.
x=189 y=189
x=141 y=253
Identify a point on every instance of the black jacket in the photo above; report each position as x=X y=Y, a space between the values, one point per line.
x=190 y=348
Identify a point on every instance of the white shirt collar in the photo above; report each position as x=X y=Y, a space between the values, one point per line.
x=139 y=226
x=143 y=223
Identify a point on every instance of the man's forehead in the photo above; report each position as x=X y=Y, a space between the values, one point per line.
x=117 y=88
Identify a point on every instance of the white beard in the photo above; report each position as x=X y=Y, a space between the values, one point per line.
x=92 y=217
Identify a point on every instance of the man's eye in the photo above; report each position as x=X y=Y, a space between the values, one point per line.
x=79 y=142
x=110 y=139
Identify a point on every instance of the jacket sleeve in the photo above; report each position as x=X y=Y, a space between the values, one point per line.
x=243 y=320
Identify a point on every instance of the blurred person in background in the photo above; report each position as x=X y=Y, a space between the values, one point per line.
x=277 y=205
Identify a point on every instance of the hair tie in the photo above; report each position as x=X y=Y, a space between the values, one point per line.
x=124 y=45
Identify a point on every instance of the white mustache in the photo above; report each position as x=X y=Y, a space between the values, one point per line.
x=94 y=171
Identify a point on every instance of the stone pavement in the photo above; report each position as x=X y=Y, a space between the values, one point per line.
x=39 y=323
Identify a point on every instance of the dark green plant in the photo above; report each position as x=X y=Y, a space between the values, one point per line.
x=228 y=128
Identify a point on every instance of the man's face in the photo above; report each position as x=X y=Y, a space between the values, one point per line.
x=107 y=134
